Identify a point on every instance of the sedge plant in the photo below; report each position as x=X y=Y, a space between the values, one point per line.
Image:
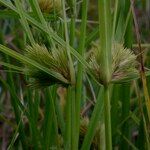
x=63 y=54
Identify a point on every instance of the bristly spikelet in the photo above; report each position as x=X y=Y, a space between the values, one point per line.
x=48 y=6
x=123 y=63
x=55 y=61
x=95 y=65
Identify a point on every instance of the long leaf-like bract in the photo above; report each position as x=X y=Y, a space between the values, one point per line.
x=25 y=59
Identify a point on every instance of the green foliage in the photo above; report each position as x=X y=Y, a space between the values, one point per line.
x=60 y=87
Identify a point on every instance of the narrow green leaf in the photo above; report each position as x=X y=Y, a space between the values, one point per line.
x=25 y=59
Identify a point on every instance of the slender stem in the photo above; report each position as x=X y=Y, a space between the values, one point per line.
x=67 y=140
x=107 y=115
x=144 y=45
x=146 y=134
x=32 y=122
x=127 y=37
x=50 y=121
x=16 y=110
x=81 y=51
x=95 y=118
x=141 y=60
x=60 y=117
x=73 y=119
x=125 y=89
x=73 y=23
x=114 y=19
x=72 y=30
x=72 y=71
x=24 y=21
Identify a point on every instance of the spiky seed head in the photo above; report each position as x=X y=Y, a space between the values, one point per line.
x=56 y=61
x=123 y=63
x=95 y=65
x=48 y=6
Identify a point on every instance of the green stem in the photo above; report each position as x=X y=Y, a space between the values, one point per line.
x=125 y=89
x=73 y=120
x=141 y=61
x=73 y=23
x=60 y=117
x=70 y=134
x=32 y=123
x=67 y=140
x=71 y=66
x=105 y=31
x=107 y=116
x=114 y=19
x=115 y=97
x=95 y=118
x=105 y=57
x=24 y=21
x=72 y=30
x=50 y=133
x=81 y=51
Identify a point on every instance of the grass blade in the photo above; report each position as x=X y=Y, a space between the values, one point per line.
x=24 y=59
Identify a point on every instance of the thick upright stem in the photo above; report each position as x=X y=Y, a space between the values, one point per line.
x=70 y=129
x=107 y=115
x=105 y=57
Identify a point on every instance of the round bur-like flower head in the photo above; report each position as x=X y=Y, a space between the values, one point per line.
x=123 y=63
x=56 y=61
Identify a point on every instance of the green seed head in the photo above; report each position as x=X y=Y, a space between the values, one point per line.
x=123 y=63
x=56 y=61
x=48 y=6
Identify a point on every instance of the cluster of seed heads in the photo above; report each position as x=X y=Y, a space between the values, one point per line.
x=123 y=64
